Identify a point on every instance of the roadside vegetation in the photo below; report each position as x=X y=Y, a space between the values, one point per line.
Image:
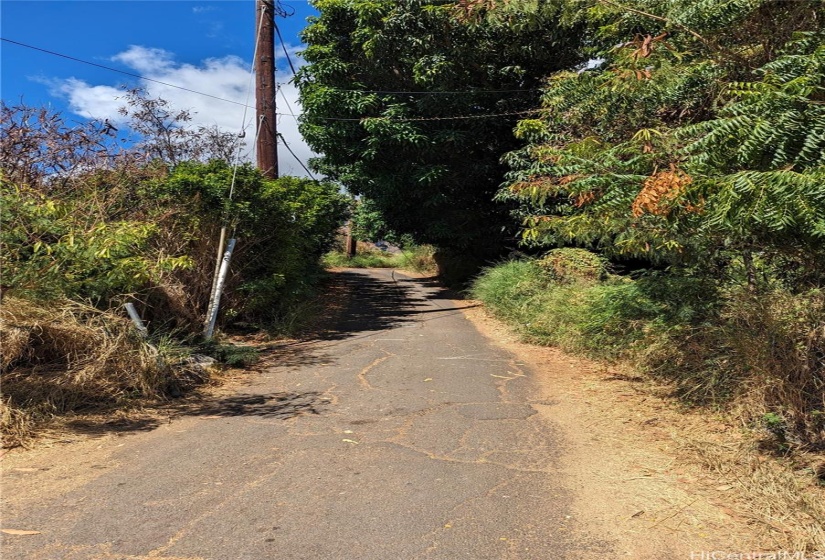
x=379 y=246
x=750 y=358
x=416 y=259
x=716 y=346
x=706 y=194
x=89 y=226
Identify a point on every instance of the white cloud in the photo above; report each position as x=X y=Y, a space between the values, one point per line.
x=227 y=78
x=144 y=59
x=91 y=102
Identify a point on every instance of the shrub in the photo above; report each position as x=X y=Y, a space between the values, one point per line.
x=164 y=254
x=764 y=349
x=418 y=258
x=49 y=248
x=87 y=221
x=568 y=264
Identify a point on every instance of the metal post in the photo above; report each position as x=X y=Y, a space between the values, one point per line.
x=216 y=299
x=218 y=257
x=133 y=314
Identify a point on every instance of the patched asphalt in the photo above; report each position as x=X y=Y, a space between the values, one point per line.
x=401 y=434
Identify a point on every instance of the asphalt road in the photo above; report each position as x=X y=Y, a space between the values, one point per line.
x=401 y=434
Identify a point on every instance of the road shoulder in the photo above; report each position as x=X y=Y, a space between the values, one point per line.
x=624 y=456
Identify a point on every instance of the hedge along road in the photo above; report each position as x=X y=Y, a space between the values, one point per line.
x=400 y=433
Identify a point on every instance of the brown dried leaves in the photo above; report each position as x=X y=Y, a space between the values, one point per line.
x=659 y=191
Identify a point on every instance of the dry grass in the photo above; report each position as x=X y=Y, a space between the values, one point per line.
x=71 y=357
x=769 y=355
x=781 y=339
x=779 y=496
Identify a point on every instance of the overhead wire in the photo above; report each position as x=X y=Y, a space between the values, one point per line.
x=120 y=71
x=278 y=9
x=425 y=92
x=424 y=119
x=283 y=140
x=288 y=105
x=286 y=52
x=142 y=77
x=247 y=106
x=286 y=101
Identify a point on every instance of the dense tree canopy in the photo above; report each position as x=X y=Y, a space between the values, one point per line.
x=411 y=104
x=669 y=131
x=699 y=131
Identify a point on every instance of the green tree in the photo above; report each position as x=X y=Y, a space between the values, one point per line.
x=697 y=132
x=411 y=104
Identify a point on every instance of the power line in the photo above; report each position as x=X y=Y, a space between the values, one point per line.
x=61 y=55
x=278 y=9
x=287 y=103
x=291 y=66
x=243 y=119
x=419 y=119
x=245 y=105
x=424 y=92
x=121 y=71
x=140 y=76
x=390 y=92
x=283 y=140
x=286 y=52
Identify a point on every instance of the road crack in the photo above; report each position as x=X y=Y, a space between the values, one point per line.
x=362 y=375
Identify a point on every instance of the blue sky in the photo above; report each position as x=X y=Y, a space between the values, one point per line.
x=205 y=46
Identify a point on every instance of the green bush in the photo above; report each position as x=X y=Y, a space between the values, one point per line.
x=282 y=228
x=710 y=342
x=520 y=293
x=70 y=244
x=568 y=264
x=370 y=259
x=52 y=248
x=418 y=258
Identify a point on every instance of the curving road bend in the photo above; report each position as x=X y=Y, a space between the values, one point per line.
x=401 y=433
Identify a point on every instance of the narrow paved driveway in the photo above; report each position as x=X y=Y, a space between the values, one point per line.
x=401 y=434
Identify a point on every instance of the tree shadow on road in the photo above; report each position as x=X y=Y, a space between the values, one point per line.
x=297 y=353
x=367 y=305
x=435 y=289
x=373 y=304
x=282 y=405
x=100 y=425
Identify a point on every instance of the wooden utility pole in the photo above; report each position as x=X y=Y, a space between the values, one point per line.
x=351 y=243
x=267 y=148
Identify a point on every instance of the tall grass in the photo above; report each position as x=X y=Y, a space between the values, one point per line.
x=604 y=320
x=418 y=259
x=761 y=353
